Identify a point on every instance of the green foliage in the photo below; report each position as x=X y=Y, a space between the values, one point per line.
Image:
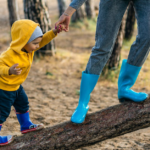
x=127 y=43
x=49 y=73
x=77 y=92
x=110 y=75
x=89 y=24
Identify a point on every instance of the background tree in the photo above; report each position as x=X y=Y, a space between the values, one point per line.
x=61 y=6
x=78 y=15
x=37 y=11
x=130 y=21
x=13 y=11
x=89 y=9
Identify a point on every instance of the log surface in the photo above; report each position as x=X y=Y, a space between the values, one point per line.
x=108 y=123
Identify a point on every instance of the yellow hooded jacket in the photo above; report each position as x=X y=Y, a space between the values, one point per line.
x=21 y=32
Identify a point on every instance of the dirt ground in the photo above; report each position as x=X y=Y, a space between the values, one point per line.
x=54 y=97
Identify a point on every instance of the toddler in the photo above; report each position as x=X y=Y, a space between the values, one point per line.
x=15 y=63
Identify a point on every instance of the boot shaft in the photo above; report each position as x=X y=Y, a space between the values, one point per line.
x=127 y=78
x=88 y=83
x=23 y=118
x=128 y=75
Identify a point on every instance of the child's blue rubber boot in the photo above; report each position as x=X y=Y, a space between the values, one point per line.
x=25 y=123
x=5 y=140
x=127 y=77
x=88 y=83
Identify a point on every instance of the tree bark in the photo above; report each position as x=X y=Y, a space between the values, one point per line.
x=89 y=9
x=61 y=6
x=13 y=11
x=130 y=21
x=105 y=124
x=78 y=15
x=37 y=11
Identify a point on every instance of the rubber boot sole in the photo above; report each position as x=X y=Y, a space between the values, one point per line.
x=123 y=100
x=9 y=142
x=39 y=127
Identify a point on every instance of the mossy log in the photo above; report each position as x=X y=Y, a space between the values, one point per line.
x=105 y=124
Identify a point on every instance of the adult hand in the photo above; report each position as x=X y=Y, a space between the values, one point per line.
x=65 y=18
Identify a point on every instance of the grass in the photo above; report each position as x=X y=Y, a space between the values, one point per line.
x=87 y=24
x=111 y=75
x=127 y=43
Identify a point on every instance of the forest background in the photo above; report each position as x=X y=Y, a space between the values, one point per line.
x=54 y=81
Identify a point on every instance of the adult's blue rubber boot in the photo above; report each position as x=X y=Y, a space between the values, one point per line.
x=127 y=77
x=25 y=123
x=88 y=83
x=5 y=140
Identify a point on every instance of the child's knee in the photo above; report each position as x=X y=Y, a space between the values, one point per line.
x=22 y=109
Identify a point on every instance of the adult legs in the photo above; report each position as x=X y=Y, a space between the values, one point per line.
x=108 y=23
x=141 y=47
x=137 y=56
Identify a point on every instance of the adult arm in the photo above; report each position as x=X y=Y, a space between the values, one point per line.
x=66 y=16
x=76 y=3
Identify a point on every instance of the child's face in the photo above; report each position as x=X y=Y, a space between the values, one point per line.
x=33 y=45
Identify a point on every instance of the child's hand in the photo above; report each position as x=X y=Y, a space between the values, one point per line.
x=59 y=28
x=14 y=70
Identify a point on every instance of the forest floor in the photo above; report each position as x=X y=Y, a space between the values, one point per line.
x=53 y=83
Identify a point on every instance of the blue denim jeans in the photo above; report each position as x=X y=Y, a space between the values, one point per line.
x=109 y=20
x=17 y=98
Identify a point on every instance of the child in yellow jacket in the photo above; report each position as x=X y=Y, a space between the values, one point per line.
x=15 y=63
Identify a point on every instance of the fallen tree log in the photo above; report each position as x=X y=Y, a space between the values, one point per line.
x=111 y=122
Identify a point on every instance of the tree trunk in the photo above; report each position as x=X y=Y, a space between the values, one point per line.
x=129 y=29
x=37 y=11
x=78 y=15
x=89 y=9
x=114 y=60
x=13 y=11
x=62 y=6
x=105 y=124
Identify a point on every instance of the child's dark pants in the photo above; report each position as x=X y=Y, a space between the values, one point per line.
x=17 y=98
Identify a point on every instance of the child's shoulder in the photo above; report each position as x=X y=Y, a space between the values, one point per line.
x=6 y=53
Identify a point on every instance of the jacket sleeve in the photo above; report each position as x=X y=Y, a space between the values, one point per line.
x=47 y=37
x=4 y=69
x=76 y=3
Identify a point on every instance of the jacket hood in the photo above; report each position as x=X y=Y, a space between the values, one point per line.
x=21 y=32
